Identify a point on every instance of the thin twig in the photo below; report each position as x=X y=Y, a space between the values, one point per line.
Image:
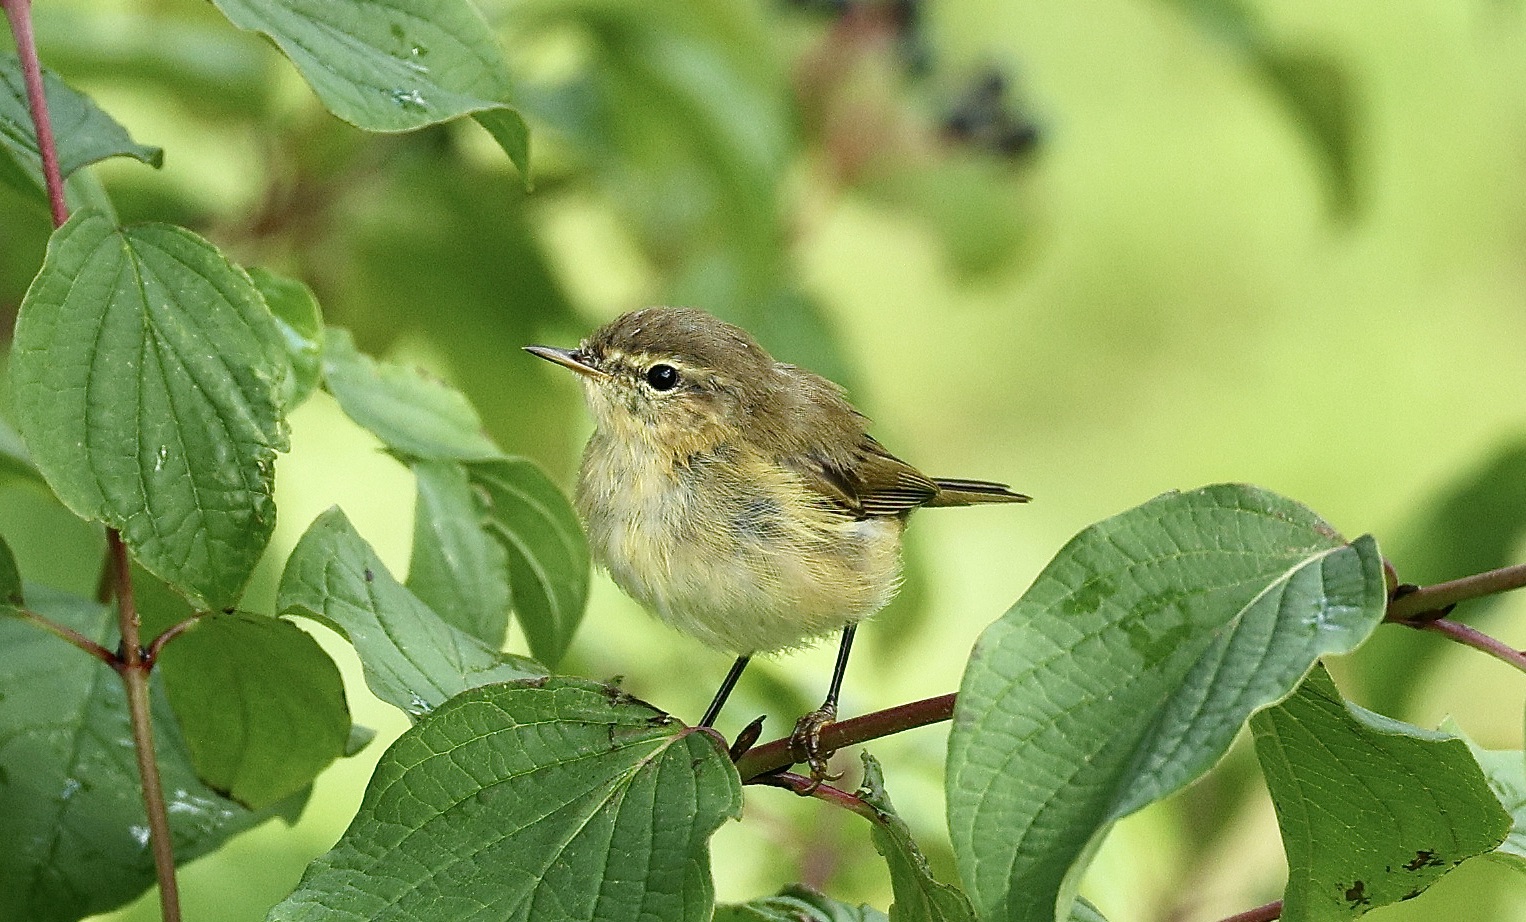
x=135 y=670
x=1415 y=605
x=71 y=635
x=1474 y=638
x=156 y=646
x=19 y=12
x=805 y=787
x=1266 y=913
x=770 y=757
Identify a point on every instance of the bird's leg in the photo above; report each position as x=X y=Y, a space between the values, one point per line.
x=724 y=692
x=805 y=742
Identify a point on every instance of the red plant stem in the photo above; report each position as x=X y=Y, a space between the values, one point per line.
x=770 y=757
x=156 y=646
x=19 y=12
x=1474 y=638
x=1266 y=913
x=803 y=786
x=1413 y=606
x=72 y=636
x=134 y=669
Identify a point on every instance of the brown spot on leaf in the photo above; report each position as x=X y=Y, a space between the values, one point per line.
x=1425 y=858
x=1356 y=894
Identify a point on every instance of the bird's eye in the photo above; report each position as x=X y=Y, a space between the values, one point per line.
x=662 y=377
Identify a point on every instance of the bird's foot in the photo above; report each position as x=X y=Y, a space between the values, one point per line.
x=805 y=744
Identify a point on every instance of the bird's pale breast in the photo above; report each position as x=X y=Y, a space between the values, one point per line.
x=731 y=549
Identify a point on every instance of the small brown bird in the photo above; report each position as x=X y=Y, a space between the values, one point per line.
x=740 y=498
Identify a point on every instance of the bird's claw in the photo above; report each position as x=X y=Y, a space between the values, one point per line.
x=805 y=744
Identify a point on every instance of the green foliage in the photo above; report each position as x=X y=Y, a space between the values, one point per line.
x=555 y=798
x=1505 y=771
x=457 y=568
x=394 y=66
x=413 y=414
x=10 y=578
x=76 y=840
x=547 y=551
x=296 y=314
x=1348 y=787
x=147 y=375
x=918 y=895
x=260 y=705
x=85 y=134
x=1128 y=667
x=413 y=659
x=797 y=904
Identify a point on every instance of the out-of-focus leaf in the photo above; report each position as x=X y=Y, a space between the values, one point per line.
x=919 y=897
x=395 y=65
x=413 y=414
x=261 y=706
x=84 y=134
x=76 y=840
x=208 y=67
x=551 y=799
x=1313 y=89
x=1126 y=670
x=1372 y=810
x=547 y=551
x=146 y=376
x=297 y=316
x=797 y=904
x=1473 y=524
x=458 y=569
x=412 y=658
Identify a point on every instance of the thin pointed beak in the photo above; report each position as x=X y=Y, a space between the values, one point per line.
x=567 y=358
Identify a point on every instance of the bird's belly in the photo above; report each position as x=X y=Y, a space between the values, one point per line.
x=748 y=575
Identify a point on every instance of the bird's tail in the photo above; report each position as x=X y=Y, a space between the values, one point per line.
x=971 y=492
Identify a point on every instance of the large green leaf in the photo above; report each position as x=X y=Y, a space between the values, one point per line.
x=552 y=799
x=457 y=568
x=297 y=316
x=919 y=897
x=1126 y=670
x=84 y=134
x=395 y=65
x=413 y=414
x=260 y=704
x=146 y=376
x=797 y=904
x=1372 y=810
x=76 y=841
x=548 y=553
x=411 y=657
x=14 y=460
x=1505 y=771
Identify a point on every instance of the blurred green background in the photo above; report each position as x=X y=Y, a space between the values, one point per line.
x=1097 y=248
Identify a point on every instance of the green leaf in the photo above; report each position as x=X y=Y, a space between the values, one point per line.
x=417 y=416
x=261 y=705
x=75 y=840
x=297 y=315
x=146 y=375
x=1505 y=771
x=14 y=460
x=548 y=553
x=395 y=65
x=412 y=658
x=457 y=568
x=797 y=904
x=919 y=897
x=10 y=579
x=1372 y=810
x=1126 y=670
x=84 y=134
x=551 y=799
